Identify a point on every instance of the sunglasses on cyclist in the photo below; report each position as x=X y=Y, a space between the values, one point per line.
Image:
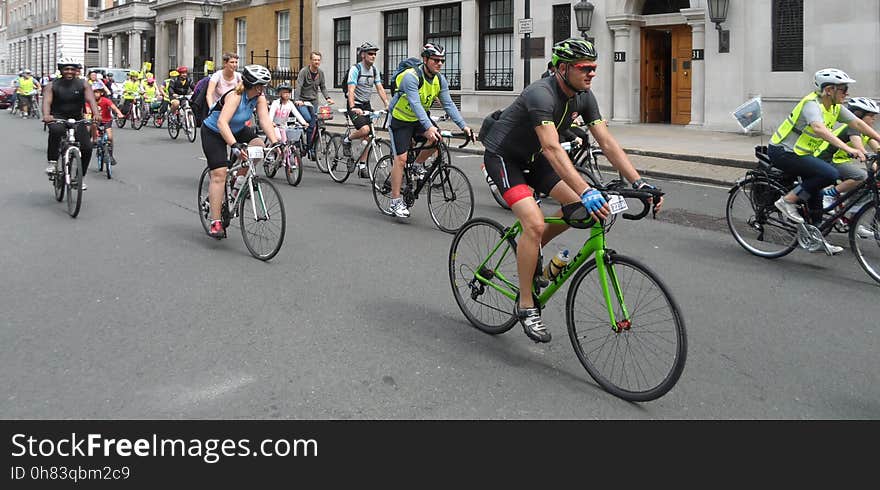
x=586 y=68
x=439 y=61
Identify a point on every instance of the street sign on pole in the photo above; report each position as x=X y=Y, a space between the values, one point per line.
x=524 y=26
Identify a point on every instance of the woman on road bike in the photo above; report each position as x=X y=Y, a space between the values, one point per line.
x=226 y=126
x=803 y=132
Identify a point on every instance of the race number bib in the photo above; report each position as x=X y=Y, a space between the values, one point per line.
x=255 y=152
x=617 y=204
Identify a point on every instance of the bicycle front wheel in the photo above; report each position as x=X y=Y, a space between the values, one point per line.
x=189 y=126
x=450 y=198
x=755 y=222
x=136 y=121
x=382 y=148
x=107 y=163
x=262 y=219
x=339 y=165
x=203 y=206
x=864 y=238
x=293 y=169
x=484 y=306
x=322 y=150
x=381 y=184
x=641 y=356
x=74 y=186
x=173 y=126
x=58 y=186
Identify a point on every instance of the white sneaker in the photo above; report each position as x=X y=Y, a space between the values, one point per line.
x=827 y=201
x=834 y=249
x=84 y=186
x=788 y=210
x=864 y=232
x=52 y=168
x=398 y=209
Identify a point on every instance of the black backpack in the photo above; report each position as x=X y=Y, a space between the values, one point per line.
x=199 y=101
x=402 y=67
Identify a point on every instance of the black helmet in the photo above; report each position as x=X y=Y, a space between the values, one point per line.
x=573 y=49
x=367 y=46
x=284 y=86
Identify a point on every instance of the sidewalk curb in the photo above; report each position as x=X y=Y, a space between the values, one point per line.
x=724 y=162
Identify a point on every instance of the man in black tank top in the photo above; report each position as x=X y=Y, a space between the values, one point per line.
x=66 y=98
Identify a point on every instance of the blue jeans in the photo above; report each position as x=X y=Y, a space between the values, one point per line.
x=816 y=174
x=308 y=113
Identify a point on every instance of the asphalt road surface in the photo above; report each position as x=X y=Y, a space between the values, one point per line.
x=131 y=311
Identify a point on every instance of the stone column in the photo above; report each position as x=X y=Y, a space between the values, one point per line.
x=135 y=49
x=117 y=51
x=187 y=39
x=161 y=69
x=697 y=20
x=103 y=58
x=218 y=50
x=180 y=42
x=468 y=59
x=623 y=82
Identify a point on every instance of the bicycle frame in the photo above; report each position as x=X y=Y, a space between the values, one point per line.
x=595 y=245
x=231 y=174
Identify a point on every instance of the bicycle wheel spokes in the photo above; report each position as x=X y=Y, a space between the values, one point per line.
x=202 y=205
x=74 y=186
x=450 y=198
x=381 y=184
x=293 y=169
x=755 y=222
x=484 y=306
x=641 y=354
x=262 y=219
x=340 y=166
x=322 y=151
x=865 y=239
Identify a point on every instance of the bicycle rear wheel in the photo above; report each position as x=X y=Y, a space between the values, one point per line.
x=263 y=229
x=58 y=186
x=864 y=238
x=485 y=307
x=383 y=148
x=158 y=119
x=120 y=121
x=755 y=222
x=321 y=150
x=136 y=120
x=74 y=187
x=293 y=171
x=644 y=358
x=339 y=165
x=381 y=183
x=450 y=198
x=203 y=207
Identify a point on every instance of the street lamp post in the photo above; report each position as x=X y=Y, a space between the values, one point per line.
x=717 y=15
x=583 y=14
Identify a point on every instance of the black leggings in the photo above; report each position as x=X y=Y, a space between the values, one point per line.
x=57 y=132
x=214 y=146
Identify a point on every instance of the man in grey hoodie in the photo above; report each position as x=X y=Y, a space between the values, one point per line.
x=309 y=81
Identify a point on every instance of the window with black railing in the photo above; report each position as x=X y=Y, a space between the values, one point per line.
x=341 y=50
x=561 y=22
x=395 y=43
x=443 y=26
x=788 y=35
x=496 y=45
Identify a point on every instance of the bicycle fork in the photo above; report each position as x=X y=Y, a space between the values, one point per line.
x=608 y=280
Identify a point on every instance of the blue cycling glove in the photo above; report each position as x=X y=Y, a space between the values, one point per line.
x=592 y=200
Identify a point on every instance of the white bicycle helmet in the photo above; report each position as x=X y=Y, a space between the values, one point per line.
x=66 y=61
x=863 y=104
x=255 y=75
x=831 y=76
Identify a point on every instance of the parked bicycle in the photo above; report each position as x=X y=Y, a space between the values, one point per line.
x=340 y=166
x=289 y=157
x=760 y=228
x=257 y=204
x=624 y=325
x=104 y=153
x=450 y=195
x=67 y=179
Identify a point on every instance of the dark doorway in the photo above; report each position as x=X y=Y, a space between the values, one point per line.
x=202 y=48
x=664 y=6
x=656 y=80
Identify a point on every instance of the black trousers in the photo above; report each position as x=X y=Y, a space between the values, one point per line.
x=57 y=132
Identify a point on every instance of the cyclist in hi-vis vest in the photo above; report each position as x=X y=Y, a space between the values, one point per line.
x=809 y=125
x=852 y=173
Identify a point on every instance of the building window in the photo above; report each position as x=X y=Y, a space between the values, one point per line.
x=172 y=47
x=341 y=50
x=395 y=42
x=443 y=26
x=788 y=35
x=94 y=9
x=496 y=45
x=561 y=22
x=284 y=39
x=91 y=43
x=241 y=38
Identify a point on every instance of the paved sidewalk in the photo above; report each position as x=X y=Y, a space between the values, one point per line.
x=670 y=151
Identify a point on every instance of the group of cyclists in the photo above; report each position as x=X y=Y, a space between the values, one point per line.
x=27 y=89
x=822 y=140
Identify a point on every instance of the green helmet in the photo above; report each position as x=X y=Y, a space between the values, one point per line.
x=573 y=49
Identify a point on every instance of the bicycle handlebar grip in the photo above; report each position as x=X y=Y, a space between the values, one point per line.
x=468 y=138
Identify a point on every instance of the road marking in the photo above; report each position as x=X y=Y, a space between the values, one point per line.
x=470 y=156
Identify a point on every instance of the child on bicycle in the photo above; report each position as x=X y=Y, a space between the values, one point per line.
x=282 y=109
x=107 y=108
x=852 y=172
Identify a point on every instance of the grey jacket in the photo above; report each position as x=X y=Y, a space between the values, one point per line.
x=306 y=88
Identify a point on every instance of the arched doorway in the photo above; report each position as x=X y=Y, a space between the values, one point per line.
x=666 y=64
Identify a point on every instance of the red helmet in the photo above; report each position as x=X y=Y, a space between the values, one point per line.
x=182 y=70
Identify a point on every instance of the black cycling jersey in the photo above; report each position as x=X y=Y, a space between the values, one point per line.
x=68 y=98
x=180 y=88
x=542 y=102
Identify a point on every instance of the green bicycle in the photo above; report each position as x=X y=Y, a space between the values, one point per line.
x=628 y=332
